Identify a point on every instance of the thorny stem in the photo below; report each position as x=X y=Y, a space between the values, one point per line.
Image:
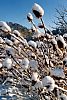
x=42 y=23
x=33 y=24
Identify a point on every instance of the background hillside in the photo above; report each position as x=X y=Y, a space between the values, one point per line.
x=22 y=29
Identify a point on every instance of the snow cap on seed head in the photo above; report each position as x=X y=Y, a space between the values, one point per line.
x=16 y=32
x=48 y=82
x=25 y=63
x=61 y=39
x=7 y=63
x=29 y=17
x=38 y=10
x=32 y=43
x=4 y=26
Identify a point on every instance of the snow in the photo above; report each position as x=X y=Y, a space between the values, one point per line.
x=33 y=64
x=49 y=36
x=58 y=72
x=38 y=34
x=65 y=35
x=63 y=97
x=0 y=65
x=38 y=84
x=47 y=60
x=39 y=43
x=28 y=69
x=34 y=76
x=25 y=63
x=16 y=32
x=61 y=39
x=7 y=63
x=1 y=40
x=48 y=81
x=30 y=16
x=54 y=41
x=32 y=43
x=65 y=59
x=11 y=50
x=38 y=8
x=9 y=42
x=13 y=37
x=4 y=26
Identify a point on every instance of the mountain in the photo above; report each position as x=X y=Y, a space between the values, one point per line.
x=22 y=29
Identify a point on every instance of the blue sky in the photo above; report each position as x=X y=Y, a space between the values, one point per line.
x=16 y=10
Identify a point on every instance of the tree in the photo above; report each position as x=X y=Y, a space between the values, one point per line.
x=61 y=22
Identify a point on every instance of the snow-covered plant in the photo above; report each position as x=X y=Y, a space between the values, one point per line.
x=25 y=63
x=49 y=83
x=29 y=17
x=4 y=26
x=33 y=64
x=58 y=72
x=38 y=10
x=16 y=32
x=60 y=40
x=7 y=63
x=32 y=43
x=35 y=76
x=35 y=68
